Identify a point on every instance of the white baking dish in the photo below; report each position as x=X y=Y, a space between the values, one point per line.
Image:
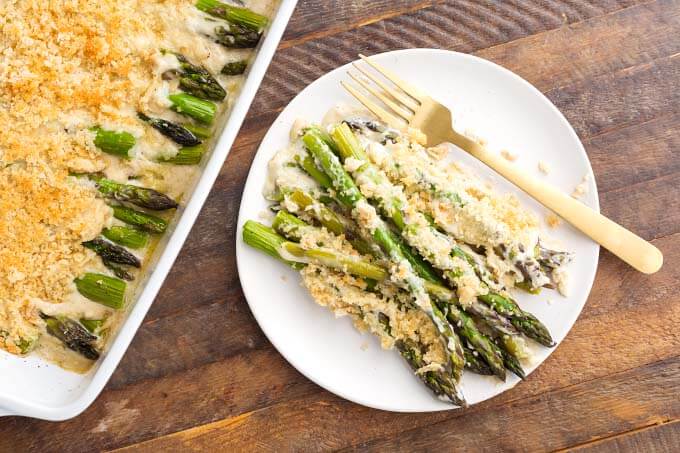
x=33 y=388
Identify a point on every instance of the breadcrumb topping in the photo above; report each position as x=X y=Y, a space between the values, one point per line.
x=66 y=66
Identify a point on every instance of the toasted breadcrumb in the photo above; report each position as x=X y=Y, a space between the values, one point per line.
x=552 y=220
x=509 y=156
x=582 y=188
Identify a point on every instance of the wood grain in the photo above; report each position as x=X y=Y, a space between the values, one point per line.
x=542 y=426
x=200 y=374
x=657 y=438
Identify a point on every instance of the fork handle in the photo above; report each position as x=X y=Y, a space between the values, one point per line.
x=628 y=246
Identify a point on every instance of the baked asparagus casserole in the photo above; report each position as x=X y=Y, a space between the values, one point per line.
x=411 y=246
x=108 y=108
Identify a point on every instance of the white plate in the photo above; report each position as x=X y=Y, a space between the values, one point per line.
x=487 y=100
x=33 y=388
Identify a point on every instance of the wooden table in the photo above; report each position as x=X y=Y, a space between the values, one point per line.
x=200 y=375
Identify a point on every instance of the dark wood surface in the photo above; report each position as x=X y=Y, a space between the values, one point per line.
x=200 y=375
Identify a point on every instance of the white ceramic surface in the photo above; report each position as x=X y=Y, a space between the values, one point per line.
x=34 y=388
x=487 y=100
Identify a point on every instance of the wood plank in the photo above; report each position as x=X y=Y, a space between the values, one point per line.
x=594 y=47
x=317 y=18
x=615 y=403
x=657 y=438
x=626 y=97
x=260 y=378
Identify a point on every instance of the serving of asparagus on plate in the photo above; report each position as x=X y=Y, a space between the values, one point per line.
x=412 y=248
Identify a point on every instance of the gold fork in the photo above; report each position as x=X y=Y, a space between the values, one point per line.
x=399 y=103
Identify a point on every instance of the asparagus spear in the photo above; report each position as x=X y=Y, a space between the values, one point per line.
x=324 y=215
x=198 y=81
x=236 y=37
x=481 y=344
x=348 y=193
x=525 y=322
x=474 y=363
x=92 y=325
x=190 y=155
x=118 y=271
x=235 y=68
x=509 y=360
x=269 y=241
x=439 y=381
x=196 y=108
x=202 y=132
x=112 y=142
x=101 y=288
x=233 y=14
x=126 y=236
x=139 y=196
x=175 y=132
x=112 y=253
x=142 y=220
x=72 y=334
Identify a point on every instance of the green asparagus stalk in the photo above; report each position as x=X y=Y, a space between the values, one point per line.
x=139 y=196
x=236 y=37
x=179 y=134
x=112 y=142
x=509 y=360
x=199 y=131
x=101 y=288
x=73 y=335
x=196 y=108
x=267 y=240
x=235 y=68
x=190 y=155
x=198 y=81
x=325 y=216
x=348 y=193
x=525 y=322
x=142 y=220
x=233 y=14
x=481 y=344
x=474 y=363
x=112 y=253
x=289 y=226
x=126 y=236
x=92 y=325
x=118 y=271
x=308 y=165
x=439 y=381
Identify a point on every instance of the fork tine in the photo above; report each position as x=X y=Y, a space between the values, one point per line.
x=400 y=111
x=409 y=89
x=396 y=94
x=373 y=107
